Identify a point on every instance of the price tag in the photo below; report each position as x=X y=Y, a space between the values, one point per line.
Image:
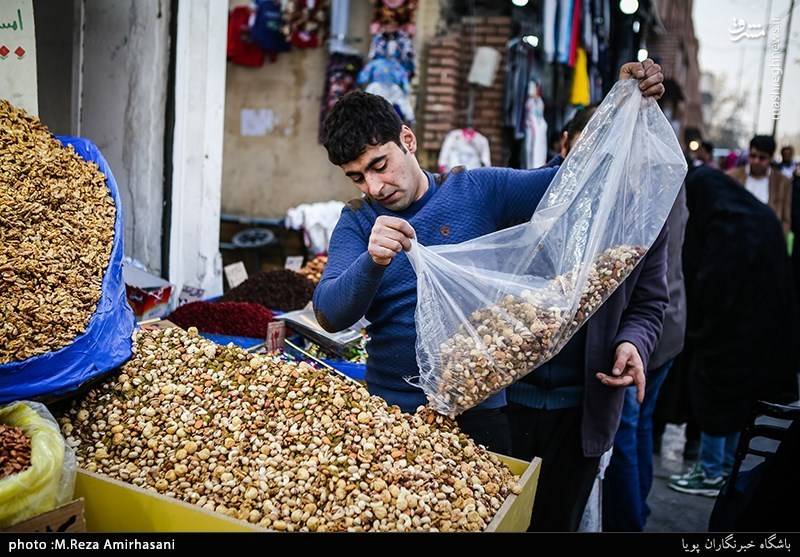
x=276 y=333
x=236 y=274
x=294 y=262
x=190 y=294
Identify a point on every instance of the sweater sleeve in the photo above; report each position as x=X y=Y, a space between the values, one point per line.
x=643 y=319
x=350 y=280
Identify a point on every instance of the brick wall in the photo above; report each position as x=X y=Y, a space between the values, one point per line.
x=677 y=52
x=444 y=95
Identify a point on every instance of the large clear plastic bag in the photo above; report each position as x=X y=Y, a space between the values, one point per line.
x=49 y=481
x=493 y=309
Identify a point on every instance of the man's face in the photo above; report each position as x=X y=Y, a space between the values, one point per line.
x=759 y=163
x=787 y=155
x=388 y=173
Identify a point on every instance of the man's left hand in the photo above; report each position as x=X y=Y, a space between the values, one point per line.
x=628 y=370
x=649 y=75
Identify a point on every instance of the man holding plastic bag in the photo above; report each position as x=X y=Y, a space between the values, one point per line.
x=368 y=273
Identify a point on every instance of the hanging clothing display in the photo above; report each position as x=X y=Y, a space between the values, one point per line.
x=305 y=22
x=575 y=32
x=580 y=81
x=340 y=79
x=549 y=21
x=266 y=31
x=317 y=221
x=519 y=64
x=395 y=95
x=394 y=15
x=535 y=145
x=242 y=51
x=464 y=147
x=395 y=45
x=384 y=70
x=564 y=31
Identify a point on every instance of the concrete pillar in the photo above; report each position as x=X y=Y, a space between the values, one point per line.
x=194 y=257
x=125 y=58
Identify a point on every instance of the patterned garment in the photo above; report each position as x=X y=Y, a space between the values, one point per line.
x=394 y=15
x=305 y=22
x=242 y=51
x=395 y=95
x=340 y=79
x=384 y=70
x=395 y=45
x=266 y=31
x=464 y=147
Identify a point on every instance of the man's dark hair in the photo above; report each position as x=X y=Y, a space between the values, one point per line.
x=763 y=143
x=708 y=147
x=358 y=120
x=787 y=148
x=579 y=121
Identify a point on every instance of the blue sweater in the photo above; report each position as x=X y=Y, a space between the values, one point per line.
x=467 y=205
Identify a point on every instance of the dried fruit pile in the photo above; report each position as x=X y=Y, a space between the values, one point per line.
x=56 y=232
x=505 y=341
x=15 y=450
x=241 y=319
x=280 y=444
x=313 y=269
x=281 y=289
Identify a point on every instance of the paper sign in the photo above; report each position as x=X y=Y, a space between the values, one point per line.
x=276 y=333
x=236 y=274
x=294 y=262
x=257 y=121
x=18 y=55
x=190 y=294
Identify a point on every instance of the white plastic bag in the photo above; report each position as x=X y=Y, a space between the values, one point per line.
x=492 y=309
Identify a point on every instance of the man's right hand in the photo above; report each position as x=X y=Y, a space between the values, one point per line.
x=390 y=235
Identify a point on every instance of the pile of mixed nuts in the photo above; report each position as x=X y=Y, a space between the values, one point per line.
x=15 y=451
x=56 y=233
x=313 y=269
x=280 y=444
x=504 y=342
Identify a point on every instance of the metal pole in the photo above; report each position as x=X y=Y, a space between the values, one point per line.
x=783 y=66
x=761 y=70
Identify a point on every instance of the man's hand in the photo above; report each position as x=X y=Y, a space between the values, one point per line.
x=389 y=237
x=628 y=370
x=649 y=75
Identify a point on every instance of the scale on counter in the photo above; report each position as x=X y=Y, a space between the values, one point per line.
x=305 y=323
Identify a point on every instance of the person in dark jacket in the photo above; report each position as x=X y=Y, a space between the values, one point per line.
x=740 y=304
x=561 y=412
x=629 y=476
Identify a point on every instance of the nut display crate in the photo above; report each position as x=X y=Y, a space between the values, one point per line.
x=115 y=506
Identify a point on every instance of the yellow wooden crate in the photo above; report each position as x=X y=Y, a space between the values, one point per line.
x=114 y=506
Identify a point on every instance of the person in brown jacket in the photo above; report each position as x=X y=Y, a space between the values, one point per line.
x=767 y=185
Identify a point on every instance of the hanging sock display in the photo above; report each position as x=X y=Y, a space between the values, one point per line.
x=464 y=147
